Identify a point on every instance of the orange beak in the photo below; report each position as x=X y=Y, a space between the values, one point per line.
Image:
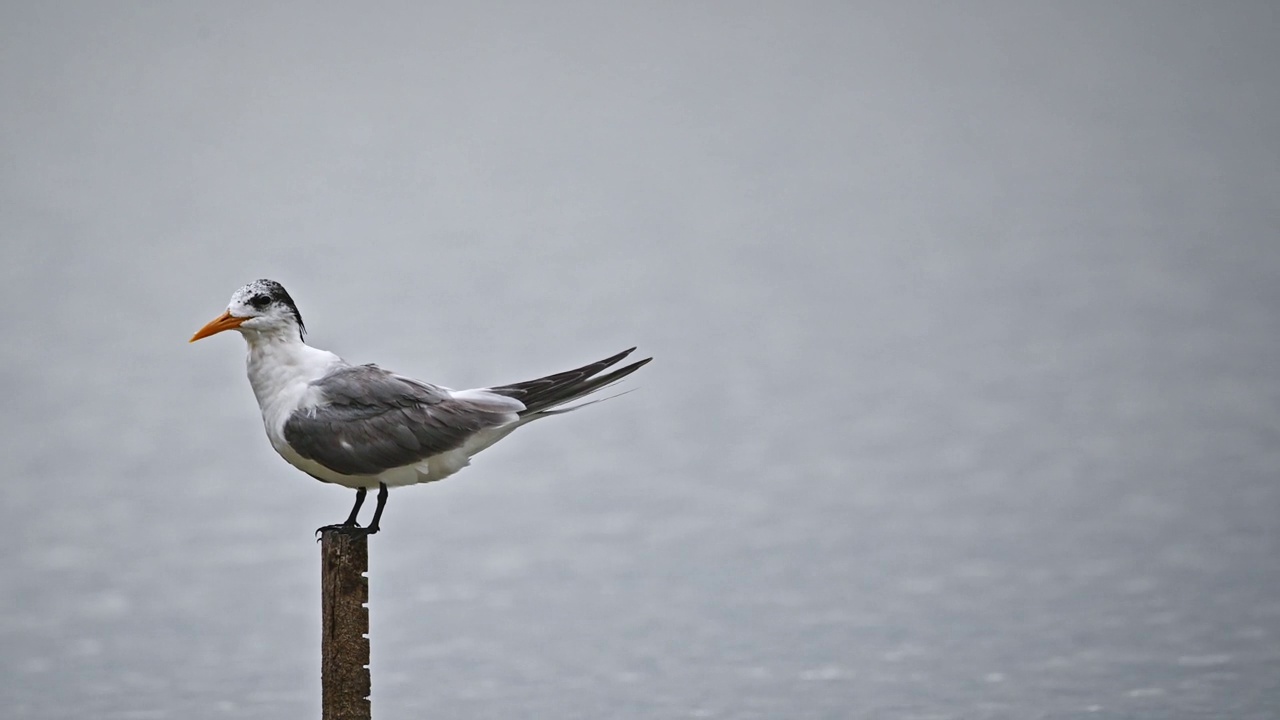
x=223 y=322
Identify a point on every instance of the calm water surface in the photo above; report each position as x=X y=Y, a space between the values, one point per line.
x=966 y=399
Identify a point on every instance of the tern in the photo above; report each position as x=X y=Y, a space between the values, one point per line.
x=363 y=427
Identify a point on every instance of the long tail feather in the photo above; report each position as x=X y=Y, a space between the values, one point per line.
x=552 y=391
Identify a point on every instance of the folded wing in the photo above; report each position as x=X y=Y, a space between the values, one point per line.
x=372 y=420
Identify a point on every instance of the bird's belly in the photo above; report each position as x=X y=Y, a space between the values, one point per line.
x=434 y=468
x=320 y=472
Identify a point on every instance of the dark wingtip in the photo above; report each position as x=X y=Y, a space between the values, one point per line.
x=560 y=388
x=615 y=358
x=625 y=370
x=628 y=369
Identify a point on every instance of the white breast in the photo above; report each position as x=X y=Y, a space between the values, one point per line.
x=281 y=375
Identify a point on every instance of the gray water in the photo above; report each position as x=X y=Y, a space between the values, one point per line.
x=965 y=315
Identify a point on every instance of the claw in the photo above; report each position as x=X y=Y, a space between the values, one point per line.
x=353 y=528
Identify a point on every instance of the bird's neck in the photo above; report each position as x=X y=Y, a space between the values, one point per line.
x=281 y=367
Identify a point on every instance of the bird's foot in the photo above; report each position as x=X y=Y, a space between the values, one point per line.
x=349 y=528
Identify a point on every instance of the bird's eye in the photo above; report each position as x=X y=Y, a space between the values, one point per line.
x=260 y=301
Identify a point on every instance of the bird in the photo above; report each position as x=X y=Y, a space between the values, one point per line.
x=365 y=428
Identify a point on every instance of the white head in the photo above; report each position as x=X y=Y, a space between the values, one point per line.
x=262 y=307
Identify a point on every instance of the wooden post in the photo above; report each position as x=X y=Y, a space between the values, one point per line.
x=344 y=615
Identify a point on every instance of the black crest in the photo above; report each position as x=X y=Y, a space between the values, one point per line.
x=277 y=294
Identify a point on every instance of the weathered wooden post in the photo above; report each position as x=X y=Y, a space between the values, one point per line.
x=344 y=615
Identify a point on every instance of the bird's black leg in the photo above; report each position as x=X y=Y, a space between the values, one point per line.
x=377 y=512
x=350 y=523
x=355 y=510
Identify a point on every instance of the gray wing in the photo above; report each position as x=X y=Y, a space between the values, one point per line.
x=372 y=420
